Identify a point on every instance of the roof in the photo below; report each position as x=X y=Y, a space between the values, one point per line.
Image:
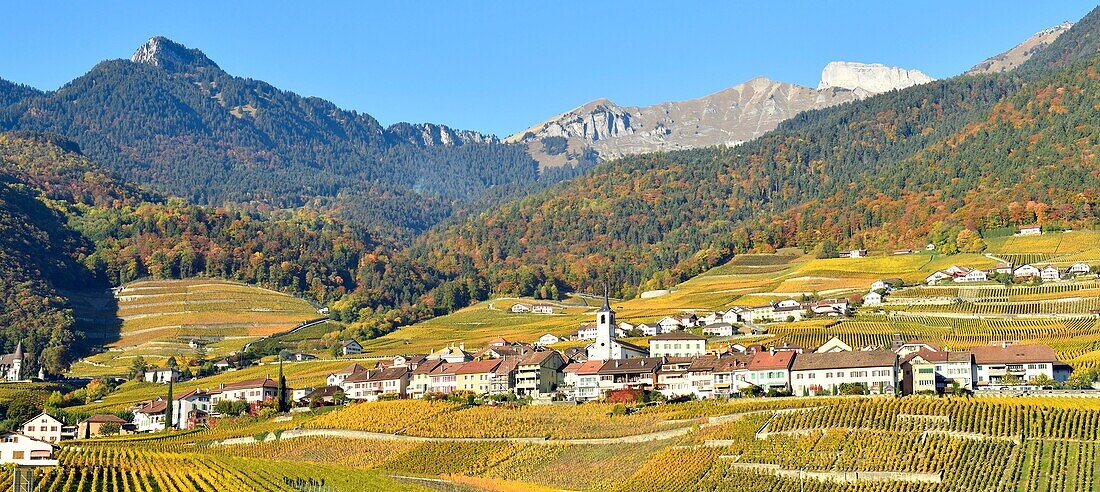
x=843 y=360
x=507 y=365
x=764 y=360
x=447 y=368
x=104 y=419
x=151 y=407
x=8 y=359
x=389 y=374
x=585 y=368
x=190 y=394
x=536 y=357
x=479 y=366
x=349 y=342
x=325 y=391
x=677 y=335
x=247 y=384
x=1013 y=354
x=729 y=363
x=632 y=346
x=629 y=366
x=931 y=356
x=352 y=369
x=427 y=366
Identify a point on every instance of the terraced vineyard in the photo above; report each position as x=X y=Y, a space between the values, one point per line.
x=821 y=444
x=157 y=319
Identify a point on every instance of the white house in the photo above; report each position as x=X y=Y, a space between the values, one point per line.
x=520 y=307
x=994 y=362
x=338 y=377
x=677 y=344
x=734 y=315
x=647 y=329
x=823 y=373
x=21 y=450
x=149 y=416
x=855 y=253
x=606 y=346
x=44 y=428
x=1051 y=273
x=1030 y=230
x=547 y=339
x=542 y=309
x=872 y=299
x=834 y=344
x=668 y=324
x=1027 y=271
x=162 y=375
x=1079 y=269
x=11 y=365
x=251 y=391
x=587 y=331
x=350 y=347
x=720 y=329
x=937 y=277
x=973 y=276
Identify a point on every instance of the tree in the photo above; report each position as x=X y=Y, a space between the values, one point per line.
x=968 y=241
x=826 y=249
x=109 y=429
x=1043 y=381
x=138 y=367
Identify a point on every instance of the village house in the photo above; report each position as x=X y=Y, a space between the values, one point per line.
x=338 y=377
x=673 y=379
x=734 y=315
x=855 y=253
x=444 y=378
x=350 y=347
x=222 y=364
x=323 y=395
x=1030 y=230
x=973 y=276
x=1001 y=269
x=1078 y=269
x=420 y=381
x=730 y=374
x=547 y=339
x=911 y=345
x=927 y=370
x=771 y=369
x=370 y=385
x=824 y=373
x=640 y=373
x=677 y=344
x=452 y=354
x=647 y=329
x=301 y=356
x=1050 y=274
x=520 y=307
x=830 y=307
x=937 y=277
x=149 y=416
x=583 y=379
x=993 y=363
x=22 y=450
x=162 y=375
x=93 y=426
x=719 y=329
x=500 y=351
x=669 y=324
x=1027 y=271
x=251 y=391
x=503 y=378
x=542 y=309
x=539 y=373
x=833 y=344
x=872 y=299
x=11 y=365
x=476 y=376
x=586 y=331
x=44 y=427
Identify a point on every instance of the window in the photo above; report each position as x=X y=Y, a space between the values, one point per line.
x=17 y=455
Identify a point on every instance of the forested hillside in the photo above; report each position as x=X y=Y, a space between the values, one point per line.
x=69 y=226
x=175 y=121
x=898 y=169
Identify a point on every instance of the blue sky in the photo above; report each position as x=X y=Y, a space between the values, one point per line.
x=498 y=67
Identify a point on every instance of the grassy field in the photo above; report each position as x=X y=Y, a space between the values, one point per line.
x=157 y=319
x=1060 y=249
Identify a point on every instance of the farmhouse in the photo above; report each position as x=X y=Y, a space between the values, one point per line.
x=542 y=309
x=421 y=381
x=855 y=253
x=44 y=427
x=677 y=344
x=452 y=354
x=872 y=298
x=973 y=276
x=669 y=324
x=251 y=391
x=834 y=344
x=149 y=416
x=928 y=370
x=520 y=308
x=830 y=307
x=824 y=373
x=994 y=363
x=1050 y=273
x=22 y=450
x=1026 y=271
x=937 y=277
x=646 y=329
x=350 y=347
x=93 y=426
x=444 y=378
x=1030 y=230
x=162 y=375
x=730 y=374
x=720 y=329
x=771 y=369
x=1079 y=269
x=503 y=378
x=547 y=339
x=371 y=385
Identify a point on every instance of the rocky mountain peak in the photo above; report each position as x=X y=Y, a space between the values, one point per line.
x=1020 y=53
x=874 y=78
x=162 y=52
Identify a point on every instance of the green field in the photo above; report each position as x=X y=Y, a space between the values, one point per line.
x=157 y=319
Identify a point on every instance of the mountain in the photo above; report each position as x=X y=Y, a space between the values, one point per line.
x=11 y=93
x=728 y=117
x=172 y=119
x=898 y=169
x=1020 y=53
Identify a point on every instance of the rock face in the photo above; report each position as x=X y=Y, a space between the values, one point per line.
x=873 y=78
x=432 y=135
x=728 y=117
x=1020 y=53
x=162 y=52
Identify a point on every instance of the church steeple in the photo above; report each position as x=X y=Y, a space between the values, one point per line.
x=606 y=305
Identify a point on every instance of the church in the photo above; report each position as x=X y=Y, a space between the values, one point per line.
x=606 y=347
x=11 y=365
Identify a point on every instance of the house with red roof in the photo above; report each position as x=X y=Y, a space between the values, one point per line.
x=771 y=369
